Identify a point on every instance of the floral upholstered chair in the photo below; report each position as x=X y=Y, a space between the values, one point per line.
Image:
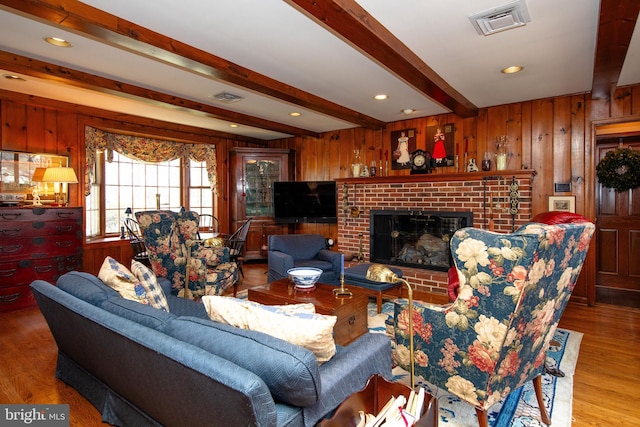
x=169 y=237
x=494 y=337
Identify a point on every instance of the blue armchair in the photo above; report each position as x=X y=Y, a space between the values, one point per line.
x=494 y=337
x=302 y=250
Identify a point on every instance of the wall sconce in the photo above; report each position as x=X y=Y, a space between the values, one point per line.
x=60 y=176
x=382 y=273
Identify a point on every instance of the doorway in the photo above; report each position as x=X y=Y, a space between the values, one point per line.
x=618 y=232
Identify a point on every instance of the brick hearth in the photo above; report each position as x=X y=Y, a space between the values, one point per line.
x=452 y=192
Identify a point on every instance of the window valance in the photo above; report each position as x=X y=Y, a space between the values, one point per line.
x=146 y=150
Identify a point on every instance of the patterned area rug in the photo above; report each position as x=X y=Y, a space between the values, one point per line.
x=520 y=408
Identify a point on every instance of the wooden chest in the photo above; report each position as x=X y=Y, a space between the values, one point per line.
x=36 y=243
x=350 y=311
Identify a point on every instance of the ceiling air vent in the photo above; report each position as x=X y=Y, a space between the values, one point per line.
x=227 y=97
x=501 y=18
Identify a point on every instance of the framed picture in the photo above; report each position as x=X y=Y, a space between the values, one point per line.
x=22 y=173
x=562 y=203
x=440 y=144
x=403 y=143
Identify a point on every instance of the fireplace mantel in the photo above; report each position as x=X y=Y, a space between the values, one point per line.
x=461 y=192
x=441 y=177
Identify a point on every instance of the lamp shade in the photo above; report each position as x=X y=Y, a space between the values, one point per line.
x=38 y=174
x=60 y=174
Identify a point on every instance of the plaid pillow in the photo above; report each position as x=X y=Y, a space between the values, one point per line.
x=148 y=280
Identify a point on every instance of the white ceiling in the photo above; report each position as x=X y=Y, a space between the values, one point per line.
x=273 y=38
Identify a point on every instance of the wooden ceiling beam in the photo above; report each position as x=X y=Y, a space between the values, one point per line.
x=44 y=70
x=354 y=24
x=615 y=28
x=110 y=29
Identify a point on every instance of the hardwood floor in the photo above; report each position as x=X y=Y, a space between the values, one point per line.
x=606 y=382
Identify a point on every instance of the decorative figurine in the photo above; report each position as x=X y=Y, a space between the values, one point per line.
x=472 y=167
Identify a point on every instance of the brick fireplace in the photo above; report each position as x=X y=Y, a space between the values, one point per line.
x=480 y=193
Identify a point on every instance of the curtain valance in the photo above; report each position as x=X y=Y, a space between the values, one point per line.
x=145 y=150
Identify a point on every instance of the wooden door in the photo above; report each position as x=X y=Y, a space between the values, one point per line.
x=618 y=238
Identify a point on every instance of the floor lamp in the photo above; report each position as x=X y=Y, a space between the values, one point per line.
x=383 y=274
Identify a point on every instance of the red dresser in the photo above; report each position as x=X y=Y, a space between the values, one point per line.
x=36 y=243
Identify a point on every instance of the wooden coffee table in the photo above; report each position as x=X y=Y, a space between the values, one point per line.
x=350 y=311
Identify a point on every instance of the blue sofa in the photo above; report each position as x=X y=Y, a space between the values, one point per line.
x=302 y=250
x=143 y=366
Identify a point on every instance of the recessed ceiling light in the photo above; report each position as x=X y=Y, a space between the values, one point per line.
x=408 y=111
x=295 y=114
x=13 y=77
x=57 y=41
x=512 y=69
x=233 y=125
x=380 y=97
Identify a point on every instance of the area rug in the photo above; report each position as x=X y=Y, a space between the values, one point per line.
x=520 y=408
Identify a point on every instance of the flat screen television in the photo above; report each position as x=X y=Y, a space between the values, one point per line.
x=305 y=201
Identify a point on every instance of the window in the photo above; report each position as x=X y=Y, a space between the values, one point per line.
x=150 y=183
x=200 y=194
x=125 y=182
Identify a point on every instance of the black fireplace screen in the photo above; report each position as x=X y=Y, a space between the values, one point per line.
x=415 y=238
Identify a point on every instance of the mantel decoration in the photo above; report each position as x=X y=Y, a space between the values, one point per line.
x=403 y=143
x=501 y=152
x=620 y=169
x=442 y=148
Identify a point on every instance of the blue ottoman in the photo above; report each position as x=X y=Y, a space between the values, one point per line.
x=357 y=276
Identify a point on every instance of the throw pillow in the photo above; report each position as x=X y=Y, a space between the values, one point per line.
x=149 y=282
x=295 y=325
x=118 y=277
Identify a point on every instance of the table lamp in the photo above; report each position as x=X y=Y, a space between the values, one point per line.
x=382 y=273
x=60 y=176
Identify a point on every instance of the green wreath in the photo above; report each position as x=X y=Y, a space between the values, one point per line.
x=620 y=169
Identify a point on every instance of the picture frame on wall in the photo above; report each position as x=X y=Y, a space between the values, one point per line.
x=562 y=203
x=440 y=143
x=20 y=171
x=403 y=143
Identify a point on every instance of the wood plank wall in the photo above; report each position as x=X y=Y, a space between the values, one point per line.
x=553 y=136
x=40 y=125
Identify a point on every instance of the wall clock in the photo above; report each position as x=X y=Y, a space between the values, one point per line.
x=420 y=162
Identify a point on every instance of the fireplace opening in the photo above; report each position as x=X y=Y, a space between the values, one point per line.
x=418 y=239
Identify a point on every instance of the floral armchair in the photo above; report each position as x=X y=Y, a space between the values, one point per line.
x=494 y=337
x=169 y=237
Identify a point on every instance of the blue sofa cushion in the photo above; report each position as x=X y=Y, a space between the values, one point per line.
x=290 y=371
x=86 y=286
x=140 y=313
